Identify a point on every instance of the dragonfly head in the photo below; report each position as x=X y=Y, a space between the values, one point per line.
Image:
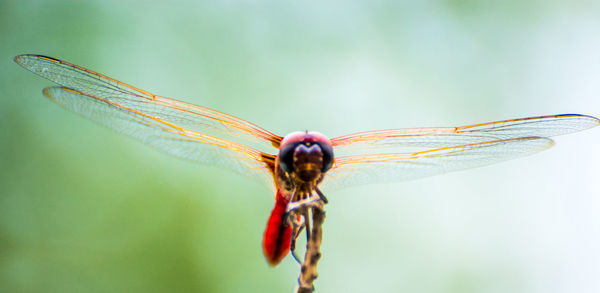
x=306 y=155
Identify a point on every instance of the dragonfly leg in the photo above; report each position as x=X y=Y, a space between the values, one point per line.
x=297 y=215
x=299 y=224
x=297 y=232
x=310 y=201
x=321 y=195
x=306 y=223
x=301 y=203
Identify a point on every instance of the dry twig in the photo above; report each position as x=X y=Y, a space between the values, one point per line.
x=308 y=269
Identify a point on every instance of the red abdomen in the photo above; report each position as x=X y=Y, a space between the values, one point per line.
x=278 y=234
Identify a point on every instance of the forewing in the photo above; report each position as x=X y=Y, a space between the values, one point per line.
x=421 y=139
x=393 y=167
x=192 y=117
x=164 y=135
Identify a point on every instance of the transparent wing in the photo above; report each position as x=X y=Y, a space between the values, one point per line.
x=379 y=168
x=192 y=117
x=421 y=139
x=164 y=135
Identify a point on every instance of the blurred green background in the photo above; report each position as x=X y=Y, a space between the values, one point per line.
x=83 y=209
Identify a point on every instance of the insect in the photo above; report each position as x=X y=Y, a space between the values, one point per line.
x=299 y=164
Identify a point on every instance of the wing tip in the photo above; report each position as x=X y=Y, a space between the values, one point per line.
x=549 y=143
x=595 y=121
x=51 y=91
x=21 y=57
x=545 y=142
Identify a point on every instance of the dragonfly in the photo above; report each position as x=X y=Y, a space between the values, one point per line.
x=301 y=164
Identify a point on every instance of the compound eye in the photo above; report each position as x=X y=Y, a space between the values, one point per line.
x=286 y=157
x=327 y=156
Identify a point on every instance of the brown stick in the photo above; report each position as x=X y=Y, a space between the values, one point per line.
x=308 y=269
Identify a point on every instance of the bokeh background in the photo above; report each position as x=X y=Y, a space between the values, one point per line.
x=83 y=209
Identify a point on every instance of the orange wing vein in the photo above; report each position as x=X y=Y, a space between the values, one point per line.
x=186 y=115
x=419 y=139
x=404 y=154
x=176 y=127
